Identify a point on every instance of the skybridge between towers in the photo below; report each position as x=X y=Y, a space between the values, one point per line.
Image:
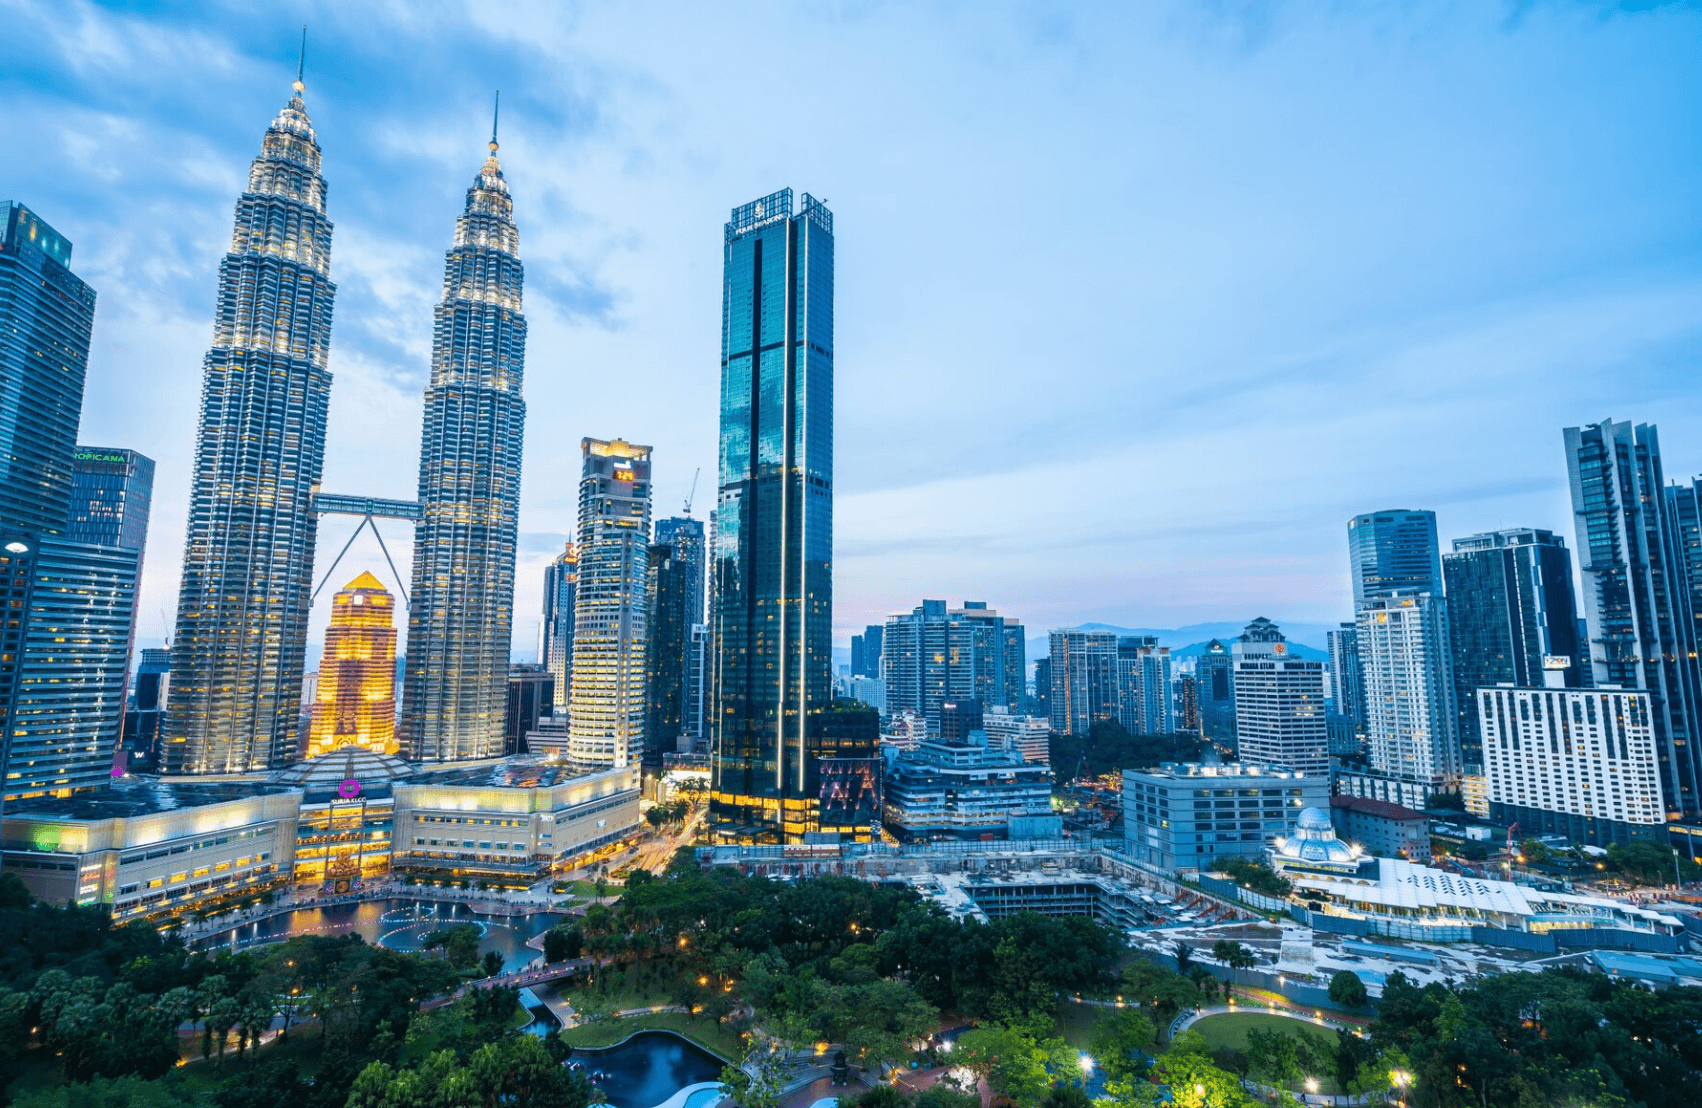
x=370 y=509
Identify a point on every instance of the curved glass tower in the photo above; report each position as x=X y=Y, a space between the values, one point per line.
x=248 y=558
x=462 y=602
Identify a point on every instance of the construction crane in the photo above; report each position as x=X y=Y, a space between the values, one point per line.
x=692 y=495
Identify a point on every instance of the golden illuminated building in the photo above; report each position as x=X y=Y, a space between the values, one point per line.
x=355 y=704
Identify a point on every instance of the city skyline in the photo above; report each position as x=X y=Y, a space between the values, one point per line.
x=949 y=527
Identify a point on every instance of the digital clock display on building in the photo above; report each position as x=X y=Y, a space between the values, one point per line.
x=623 y=474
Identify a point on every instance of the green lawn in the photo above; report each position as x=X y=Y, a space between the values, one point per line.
x=716 y=1038
x=627 y=991
x=1230 y=1030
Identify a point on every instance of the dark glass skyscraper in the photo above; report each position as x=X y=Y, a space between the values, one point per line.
x=684 y=644
x=462 y=602
x=668 y=626
x=1215 y=674
x=1509 y=603
x=1390 y=550
x=46 y=317
x=1636 y=601
x=242 y=610
x=555 y=634
x=774 y=528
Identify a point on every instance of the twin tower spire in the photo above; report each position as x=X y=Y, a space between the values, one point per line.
x=239 y=650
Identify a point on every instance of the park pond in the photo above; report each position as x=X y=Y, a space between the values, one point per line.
x=647 y=1069
x=397 y=923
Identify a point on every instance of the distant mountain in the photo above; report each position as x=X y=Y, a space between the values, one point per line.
x=1309 y=640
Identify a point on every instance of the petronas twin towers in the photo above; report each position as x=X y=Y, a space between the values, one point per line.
x=239 y=651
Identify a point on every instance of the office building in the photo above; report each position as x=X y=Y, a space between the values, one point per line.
x=607 y=701
x=1574 y=762
x=773 y=550
x=964 y=790
x=1084 y=679
x=1040 y=694
x=531 y=700
x=1380 y=828
x=1510 y=605
x=354 y=700
x=1279 y=711
x=1634 y=593
x=958 y=718
x=667 y=650
x=1144 y=699
x=1187 y=816
x=934 y=654
x=1346 y=720
x=843 y=779
x=1187 y=697
x=241 y=639
x=44 y=353
x=68 y=707
x=866 y=651
x=555 y=633
x=1214 y=680
x=679 y=647
x=1393 y=550
x=1029 y=736
x=111 y=494
x=868 y=690
x=145 y=711
x=461 y=607
x=1406 y=655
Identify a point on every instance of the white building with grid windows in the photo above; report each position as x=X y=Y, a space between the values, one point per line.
x=1575 y=762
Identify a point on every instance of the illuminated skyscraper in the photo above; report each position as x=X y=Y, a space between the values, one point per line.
x=774 y=528
x=355 y=701
x=1394 y=549
x=248 y=558
x=1634 y=574
x=555 y=634
x=462 y=601
x=674 y=637
x=606 y=708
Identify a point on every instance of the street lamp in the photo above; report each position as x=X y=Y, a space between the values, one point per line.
x=1086 y=1070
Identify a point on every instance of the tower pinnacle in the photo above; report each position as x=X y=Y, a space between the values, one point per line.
x=495 y=113
x=301 y=63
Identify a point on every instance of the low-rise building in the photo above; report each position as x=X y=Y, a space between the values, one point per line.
x=965 y=790
x=1187 y=816
x=158 y=847
x=1384 y=829
x=1401 y=899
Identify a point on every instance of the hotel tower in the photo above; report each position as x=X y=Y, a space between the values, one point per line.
x=462 y=600
x=248 y=558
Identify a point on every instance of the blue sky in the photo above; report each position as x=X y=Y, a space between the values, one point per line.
x=1137 y=303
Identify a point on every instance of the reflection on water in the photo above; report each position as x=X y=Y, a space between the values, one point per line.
x=647 y=1069
x=397 y=923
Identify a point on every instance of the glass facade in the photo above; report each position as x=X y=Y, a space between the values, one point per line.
x=1636 y=602
x=1394 y=549
x=555 y=633
x=46 y=317
x=773 y=547
x=607 y=704
x=241 y=641
x=1510 y=603
x=69 y=704
x=461 y=609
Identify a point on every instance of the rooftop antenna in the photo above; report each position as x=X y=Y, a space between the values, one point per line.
x=496 y=113
x=692 y=495
x=301 y=62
